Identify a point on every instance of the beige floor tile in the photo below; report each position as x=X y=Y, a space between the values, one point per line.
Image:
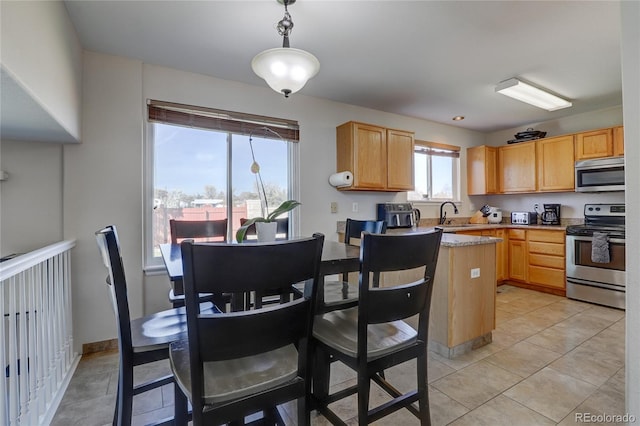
x=603 y=312
x=523 y=305
x=587 y=324
x=474 y=385
x=465 y=360
x=518 y=331
x=604 y=401
x=523 y=358
x=502 y=411
x=87 y=412
x=503 y=339
x=588 y=365
x=550 y=393
x=559 y=339
x=502 y=315
x=444 y=410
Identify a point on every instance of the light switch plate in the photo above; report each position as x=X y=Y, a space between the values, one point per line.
x=475 y=273
x=334 y=207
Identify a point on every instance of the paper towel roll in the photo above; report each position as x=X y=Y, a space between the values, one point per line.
x=341 y=179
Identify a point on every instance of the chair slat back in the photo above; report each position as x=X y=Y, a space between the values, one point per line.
x=354 y=228
x=386 y=253
x=109 y=246
x=221 y=268
x=230 y=268
x=212 y=230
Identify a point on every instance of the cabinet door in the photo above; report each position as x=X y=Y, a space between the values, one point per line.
x=556 y=164
x=501 y=255
x=481 y=170
x=362 y=149
x=594 y=144
x=517 y=167
x=400 y=146
x=618 y=141
x=518 y=260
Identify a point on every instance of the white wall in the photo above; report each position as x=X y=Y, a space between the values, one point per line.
x=102 y=186
x=630 y=16
x=42 y=53
x=31 y=199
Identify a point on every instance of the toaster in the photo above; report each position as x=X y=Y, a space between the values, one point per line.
x=524 y=218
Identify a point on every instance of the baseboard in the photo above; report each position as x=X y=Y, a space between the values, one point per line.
x=103 y=346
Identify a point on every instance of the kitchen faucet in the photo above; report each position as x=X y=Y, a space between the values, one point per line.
x=443 y=215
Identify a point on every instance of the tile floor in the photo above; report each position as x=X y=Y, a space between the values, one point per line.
x=550 y=358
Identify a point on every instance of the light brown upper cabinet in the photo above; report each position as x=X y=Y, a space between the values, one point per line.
x=517 y=167
x=594 y=144
x=618 y=141
x=555 y=161
x=482 y=162
x=380 y=159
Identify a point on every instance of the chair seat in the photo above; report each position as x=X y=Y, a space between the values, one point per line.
x=158 y=330
x=236 y=378
x=339 y=330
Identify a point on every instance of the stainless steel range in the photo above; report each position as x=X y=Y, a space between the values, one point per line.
x=595 y=255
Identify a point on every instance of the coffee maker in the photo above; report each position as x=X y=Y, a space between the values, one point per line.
x=551 y=214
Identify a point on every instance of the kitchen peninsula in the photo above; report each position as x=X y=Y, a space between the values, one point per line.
x=464 y=294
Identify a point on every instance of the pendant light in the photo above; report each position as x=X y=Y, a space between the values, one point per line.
x=286 y=70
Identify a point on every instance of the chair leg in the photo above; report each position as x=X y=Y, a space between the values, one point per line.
x=423 y=390
x=364 y=386
x=321 y=376
x=124 y=404
x=304 y=411
x=116 y=411
x=180 y=413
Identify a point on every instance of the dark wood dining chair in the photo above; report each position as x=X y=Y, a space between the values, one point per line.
x=240 y=363
x=342 y=294
x=142 y=340
x=197 y=230
x=373 y=337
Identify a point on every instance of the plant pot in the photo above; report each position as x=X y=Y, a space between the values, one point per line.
x=266 y=231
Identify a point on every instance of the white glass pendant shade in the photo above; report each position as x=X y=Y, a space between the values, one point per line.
x=285 y=69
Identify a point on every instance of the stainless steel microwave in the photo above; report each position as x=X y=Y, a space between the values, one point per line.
x=599 y=175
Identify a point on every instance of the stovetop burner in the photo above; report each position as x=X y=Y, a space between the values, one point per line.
x=607 y=218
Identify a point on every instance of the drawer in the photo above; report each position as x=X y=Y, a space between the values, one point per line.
x=517 y=234
x=547 y=236
x=547 y=261
x=546 y=248
x=547 y=276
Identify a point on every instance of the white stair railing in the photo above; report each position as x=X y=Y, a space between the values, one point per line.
x=38 y=359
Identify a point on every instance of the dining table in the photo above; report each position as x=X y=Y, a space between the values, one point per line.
x=337 y=258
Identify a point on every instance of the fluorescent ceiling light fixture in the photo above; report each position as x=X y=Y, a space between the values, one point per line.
x=524 y=92
x=286 y=70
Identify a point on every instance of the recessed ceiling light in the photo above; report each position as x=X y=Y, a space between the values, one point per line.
x=458 y=118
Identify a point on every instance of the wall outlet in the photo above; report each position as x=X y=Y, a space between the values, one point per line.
x=334 y=207
x=354 y=207
x=535 y=207
x=475 y=273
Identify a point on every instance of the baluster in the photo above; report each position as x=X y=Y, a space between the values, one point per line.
x=32 y=347
x=23 y=360
x=13 y=354
x=4 y=414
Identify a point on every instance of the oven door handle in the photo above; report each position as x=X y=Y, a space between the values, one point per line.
x=589 y=239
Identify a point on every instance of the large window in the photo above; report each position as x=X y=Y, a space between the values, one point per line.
x=199 y=167
x=437 y=172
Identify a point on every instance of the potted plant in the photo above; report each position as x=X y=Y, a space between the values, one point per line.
x=285 y=207
x=266 y=218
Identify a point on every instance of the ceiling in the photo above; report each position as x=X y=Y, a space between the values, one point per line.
x=426 y=59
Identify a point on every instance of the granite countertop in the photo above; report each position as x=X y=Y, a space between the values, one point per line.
x=481 y=226
x=449 y=239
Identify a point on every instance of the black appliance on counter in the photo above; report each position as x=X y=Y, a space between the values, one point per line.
x=398 y=215
x=551 y=214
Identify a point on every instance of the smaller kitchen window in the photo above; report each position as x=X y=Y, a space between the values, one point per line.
x=437 y=172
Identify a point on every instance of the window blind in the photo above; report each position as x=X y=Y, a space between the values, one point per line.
x=225 y=121
x=439 y=149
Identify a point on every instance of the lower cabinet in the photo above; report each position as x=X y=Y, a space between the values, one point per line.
x=546 y=258
x=532 y=257
x=518 y=254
